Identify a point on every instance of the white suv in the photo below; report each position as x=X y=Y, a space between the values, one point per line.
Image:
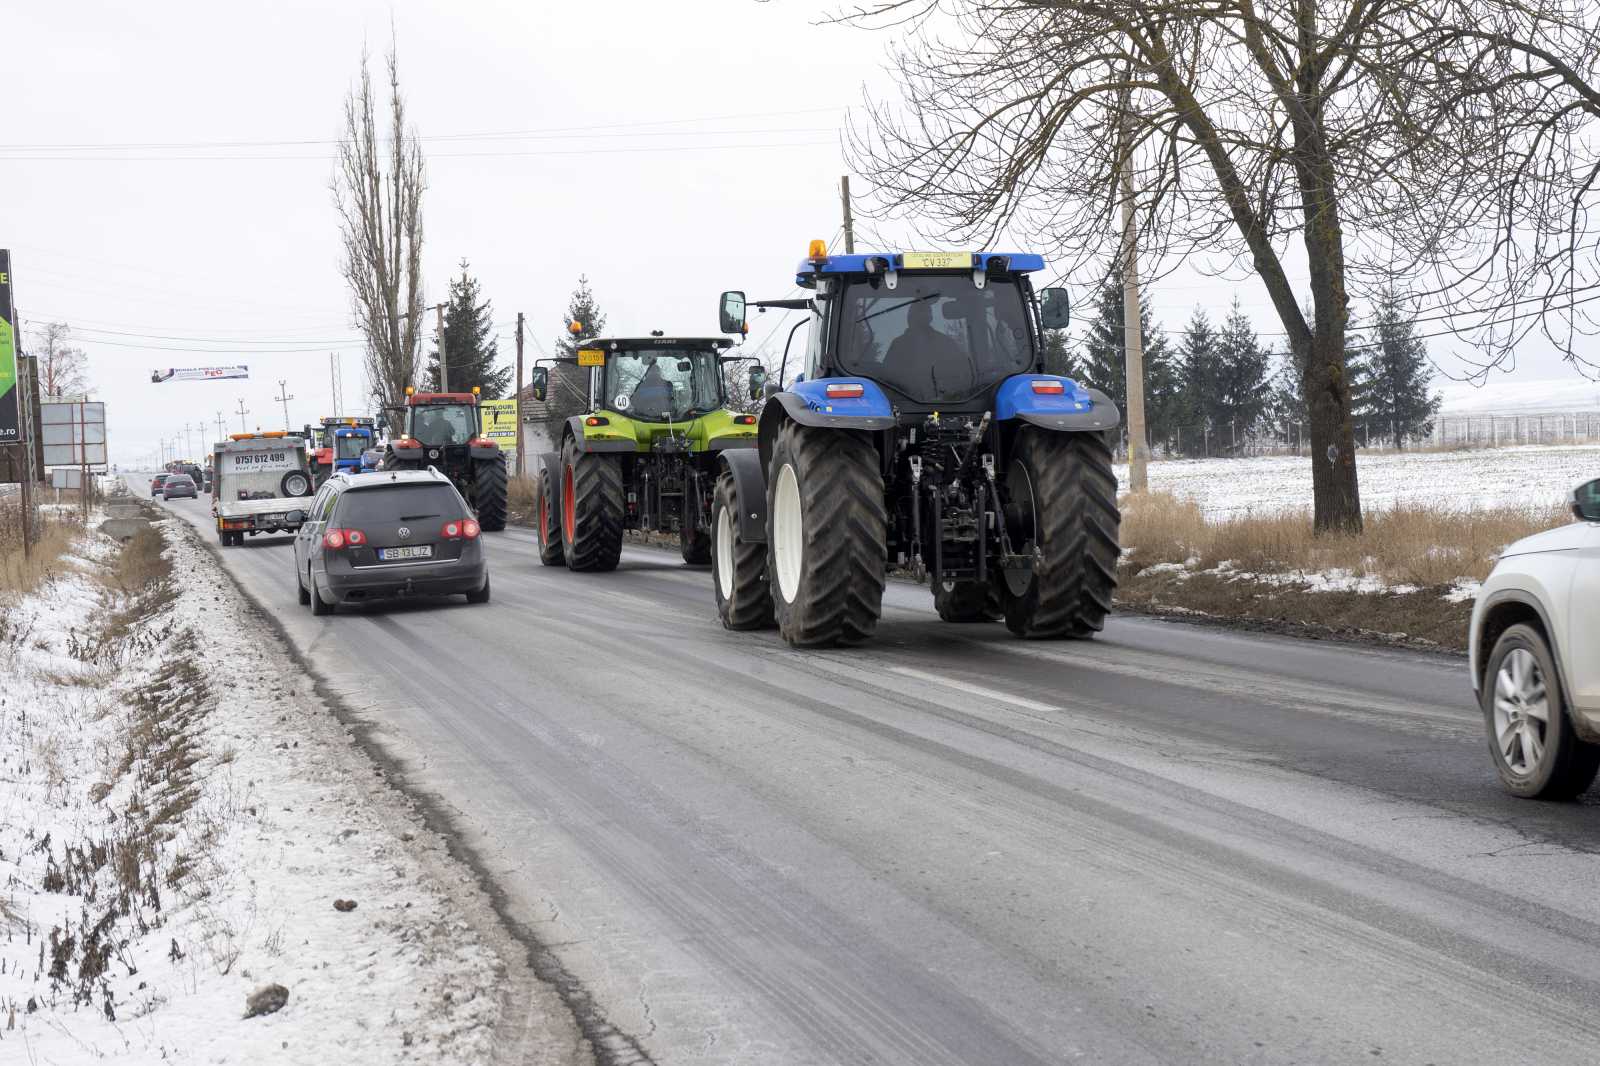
x=1535 y=654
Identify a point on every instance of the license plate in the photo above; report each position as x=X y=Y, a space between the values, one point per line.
x=418 y=551
x=591 y=357
x=937 y=260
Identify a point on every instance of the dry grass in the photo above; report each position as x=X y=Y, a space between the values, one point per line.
x=1409 y=545
x=18 y=575
x=519 y=501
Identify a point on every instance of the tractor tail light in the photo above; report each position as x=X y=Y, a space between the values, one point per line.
x=846 y=391
x=1053 y=387
x=744 y=420
x=482 y=442
x=597 y=420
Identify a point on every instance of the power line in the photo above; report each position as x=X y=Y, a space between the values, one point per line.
x=430 y=157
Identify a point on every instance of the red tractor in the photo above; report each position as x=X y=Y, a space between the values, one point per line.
x=441 y=430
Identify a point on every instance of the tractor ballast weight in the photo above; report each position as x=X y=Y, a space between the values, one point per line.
x=922 y=434
x=444 y=430
x=644 y=455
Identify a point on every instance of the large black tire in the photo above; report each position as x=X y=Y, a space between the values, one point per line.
x=547 y=520
x=489 y=493
x=826 y=530
x=1563 y=766
x=592 y=508
x=969 y=601
x=738 y=568
x=1061 y=505
x=694 y=543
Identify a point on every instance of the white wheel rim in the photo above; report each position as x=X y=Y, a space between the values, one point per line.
x=724 y=552
x=1521 y=712
x=787 y=540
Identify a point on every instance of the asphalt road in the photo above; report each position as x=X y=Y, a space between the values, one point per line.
x=1168 y=845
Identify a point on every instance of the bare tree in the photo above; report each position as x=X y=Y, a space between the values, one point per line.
x=378 y=192
x=63 y=369
x=1372 y=144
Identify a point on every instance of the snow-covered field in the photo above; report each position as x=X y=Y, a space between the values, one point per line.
x=1492 y=477
x=179 y=812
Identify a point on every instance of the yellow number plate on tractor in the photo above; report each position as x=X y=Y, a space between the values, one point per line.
x=591 y=357
x=937 y=260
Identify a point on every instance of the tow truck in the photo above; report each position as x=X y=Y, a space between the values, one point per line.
x=260 y=481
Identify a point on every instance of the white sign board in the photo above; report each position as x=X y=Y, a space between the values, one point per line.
x=281 y=460
x=198 y=373
x=74 y=434
x=63 y=477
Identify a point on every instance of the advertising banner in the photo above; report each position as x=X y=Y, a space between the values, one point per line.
x=74 y=433
x=499 y=424
x=198 y=373
x=10 y=413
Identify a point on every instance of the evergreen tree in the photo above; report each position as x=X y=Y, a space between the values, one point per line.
x=1243 y=376
x=1059 y=358
x=1200 y=374
x=569 y=384
x=1106 y=363
x=469 y=344
x=1397 y=374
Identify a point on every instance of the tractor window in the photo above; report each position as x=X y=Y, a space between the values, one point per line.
x=662 y=384
x=437 y=425
x=350 y=447
x=934 y=337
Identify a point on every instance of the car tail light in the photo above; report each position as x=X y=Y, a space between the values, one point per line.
x=843 y=392
x=1041 y=385
x=461 y=528
x=470 y=528
x=337 y=539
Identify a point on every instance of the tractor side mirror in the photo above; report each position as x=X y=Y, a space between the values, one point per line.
x=732 y=312
x=758 y=379
x=1055 y=309
x=539 y=383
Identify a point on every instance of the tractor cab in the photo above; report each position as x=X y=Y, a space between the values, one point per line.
x=440 y=429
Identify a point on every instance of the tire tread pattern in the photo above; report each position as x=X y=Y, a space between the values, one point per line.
x=489 y=493
x=750 y=607
x=598 y=504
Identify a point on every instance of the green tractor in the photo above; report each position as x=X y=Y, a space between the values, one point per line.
x=645 y=455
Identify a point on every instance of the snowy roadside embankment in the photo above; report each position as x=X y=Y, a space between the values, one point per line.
x=185 y=825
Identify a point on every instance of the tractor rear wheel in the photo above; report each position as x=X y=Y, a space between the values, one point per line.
x=592 y=508
x=1062 y=510
x=969 y=601
x=548 y=520
x=739 y=569
x=826 y=533
x=489 y=493
x=694 y=543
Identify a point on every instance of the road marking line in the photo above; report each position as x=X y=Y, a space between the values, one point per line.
x=973 y=690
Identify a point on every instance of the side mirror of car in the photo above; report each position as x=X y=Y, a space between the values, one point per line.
x=1586 y=501
x=1055 y=309
x=295 y=518
x=539 y=383
x=731 y=313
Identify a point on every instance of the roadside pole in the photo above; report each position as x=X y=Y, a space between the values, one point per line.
x=1132 y=337
x=522 y=467
x=444 y=366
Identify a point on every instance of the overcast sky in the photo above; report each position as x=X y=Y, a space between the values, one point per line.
x=666 y=151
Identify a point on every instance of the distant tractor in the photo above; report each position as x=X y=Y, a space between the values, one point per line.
x=923 y=434
x=440 y=429
x=644 y=456
x=337 y=443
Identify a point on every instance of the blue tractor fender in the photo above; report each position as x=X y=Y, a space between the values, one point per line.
x=749 y=473
x=1050 y=401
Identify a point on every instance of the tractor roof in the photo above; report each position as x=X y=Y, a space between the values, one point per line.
x=418 y=398
x=632 y=343
x=875 y=262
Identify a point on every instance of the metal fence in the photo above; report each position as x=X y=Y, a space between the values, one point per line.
x=1238 y=440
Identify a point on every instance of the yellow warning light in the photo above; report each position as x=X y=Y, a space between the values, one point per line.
x=819 y=250
x=474 y=390
x=576 y=328
x=411 y=390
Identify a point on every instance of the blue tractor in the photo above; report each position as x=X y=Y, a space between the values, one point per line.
x=924 y=434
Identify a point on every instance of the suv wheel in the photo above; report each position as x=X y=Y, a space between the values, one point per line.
x=1531 y=739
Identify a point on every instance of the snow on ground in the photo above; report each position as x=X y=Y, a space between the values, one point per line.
x=178 y=814
x=1226 y=488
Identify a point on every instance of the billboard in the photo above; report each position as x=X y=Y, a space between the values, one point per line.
x=74 y=433
x=198 y=373
x=498 y=420
x=10 y=412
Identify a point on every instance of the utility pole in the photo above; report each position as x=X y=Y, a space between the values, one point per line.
x=522 y=467
x=242 y=412
x=221 y=432
x=849 y=218
x=284 y=398
x=1132 y=335
x=335 y=380
x=444 y=366
x=188 y=439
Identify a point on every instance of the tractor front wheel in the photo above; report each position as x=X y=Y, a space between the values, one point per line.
x=1061 y=509
x=827 y=528
x=968 y=601
x=549 y=520
x=694 y=543
x=739 y=568
x=489 y=493
x=592 y=508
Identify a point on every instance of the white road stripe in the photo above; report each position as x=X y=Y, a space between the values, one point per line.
x=973 y=690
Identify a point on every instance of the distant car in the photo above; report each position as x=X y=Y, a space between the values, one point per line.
x=1533 y=639
x=156 y=483
x=178 y=485
x=387 y=535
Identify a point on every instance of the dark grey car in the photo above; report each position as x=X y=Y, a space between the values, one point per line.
x=388 y=535
x=178 y=485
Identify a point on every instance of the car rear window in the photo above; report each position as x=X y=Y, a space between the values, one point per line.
x=399 y=503
x=180 y=479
